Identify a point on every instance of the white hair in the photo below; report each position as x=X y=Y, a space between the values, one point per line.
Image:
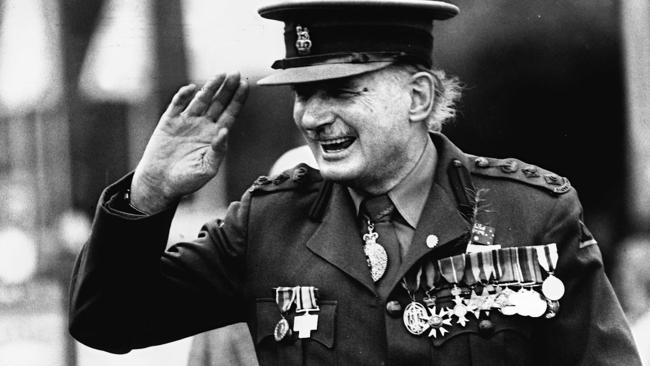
x=448 y=90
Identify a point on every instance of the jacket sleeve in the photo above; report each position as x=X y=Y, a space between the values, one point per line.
x=590 y=327
x=128 y=292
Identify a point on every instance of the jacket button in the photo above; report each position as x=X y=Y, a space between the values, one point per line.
x=485 y=327
x=394 y=308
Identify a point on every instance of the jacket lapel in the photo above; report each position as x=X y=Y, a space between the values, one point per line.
x=338 y=240
x=440 y=215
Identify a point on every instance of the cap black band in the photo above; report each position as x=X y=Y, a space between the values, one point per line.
x=338 y=38
x=349 y=58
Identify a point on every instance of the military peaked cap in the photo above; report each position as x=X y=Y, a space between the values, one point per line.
x=330 y=39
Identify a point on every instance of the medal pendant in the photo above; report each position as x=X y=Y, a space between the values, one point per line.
x=375 y=255
x=538 y=304
x=437 y=322
x=415 y=318
x=524 y=308
x=305 y=324
x=474 y=304
x=281 y=330
x=487 y=300
x=506 y=302
x=553 y=288
x=460 y=311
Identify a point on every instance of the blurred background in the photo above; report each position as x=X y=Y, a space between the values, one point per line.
x=561 y=84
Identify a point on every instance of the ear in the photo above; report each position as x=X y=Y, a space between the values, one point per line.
x=422 y=88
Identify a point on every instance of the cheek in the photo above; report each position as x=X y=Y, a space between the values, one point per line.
x=297 y=113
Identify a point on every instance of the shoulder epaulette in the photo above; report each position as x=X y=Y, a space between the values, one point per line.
x=301 y=176
x=517 y=170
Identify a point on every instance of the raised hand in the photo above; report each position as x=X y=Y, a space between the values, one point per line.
x=189 y=142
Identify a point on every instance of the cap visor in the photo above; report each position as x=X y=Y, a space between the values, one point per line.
x=307 y=74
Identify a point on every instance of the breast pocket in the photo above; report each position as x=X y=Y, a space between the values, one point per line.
x=497 y=340
x=319 y=349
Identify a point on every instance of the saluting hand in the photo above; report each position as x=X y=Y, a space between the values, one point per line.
x=189 y=142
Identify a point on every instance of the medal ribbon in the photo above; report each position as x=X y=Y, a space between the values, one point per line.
x=504 y=257
x=406 y=284
x=528 y=262
x=488 y=268
x=516 y=265
x=473 y=269
x=306 y=299
x=432 y=274
x=547 y=257
x=452 y=268
x=285 y=297
x=537 y=271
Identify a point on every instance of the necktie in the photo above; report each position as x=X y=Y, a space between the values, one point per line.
x=378 y=211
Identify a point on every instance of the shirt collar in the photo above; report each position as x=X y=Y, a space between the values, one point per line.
x=407 y=195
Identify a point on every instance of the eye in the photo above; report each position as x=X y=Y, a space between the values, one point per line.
x=303 y=92
x=343 y=93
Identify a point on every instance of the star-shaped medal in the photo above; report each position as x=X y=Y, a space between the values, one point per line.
x=460 y=311
x=473 y=304
x=437 y=320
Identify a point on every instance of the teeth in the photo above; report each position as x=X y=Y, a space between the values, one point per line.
x=335 y=141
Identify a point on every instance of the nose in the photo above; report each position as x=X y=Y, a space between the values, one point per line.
x=314 y=112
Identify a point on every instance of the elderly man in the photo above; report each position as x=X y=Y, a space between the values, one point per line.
x=399 y=249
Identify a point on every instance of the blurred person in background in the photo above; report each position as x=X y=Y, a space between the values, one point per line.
x=400 y=249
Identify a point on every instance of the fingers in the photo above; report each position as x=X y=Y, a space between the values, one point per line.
x=226 y=120
x=220 y=142
x=180 y=100
x=203 y=98
x=223 y=96
x=220 y=99
x=227 y=117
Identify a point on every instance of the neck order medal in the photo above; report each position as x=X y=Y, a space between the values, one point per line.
x=375 y=254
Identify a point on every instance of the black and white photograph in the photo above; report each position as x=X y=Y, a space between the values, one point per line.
x=324 y=182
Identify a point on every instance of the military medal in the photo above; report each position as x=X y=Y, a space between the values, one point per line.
x=415 y=315
x=531 y=276
x=538 y=305
x=415 y=318
x=487 y=300
x=307 y=322
x=489 y=267
x=432 y=277
x=474 y=274
x=284 y=298
x=375 y=254
x=453 y=269
x=437 y=321
x=504 y=301
x=473 y=304
x=552 y=287
x=521 y=298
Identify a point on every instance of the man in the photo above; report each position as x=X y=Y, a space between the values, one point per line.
x=401 y=249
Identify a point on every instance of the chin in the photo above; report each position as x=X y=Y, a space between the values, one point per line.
x=337 y=172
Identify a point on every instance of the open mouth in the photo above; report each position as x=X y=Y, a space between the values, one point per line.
x=336 y=145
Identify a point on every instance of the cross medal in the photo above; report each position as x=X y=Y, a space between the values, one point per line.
x=305 y=323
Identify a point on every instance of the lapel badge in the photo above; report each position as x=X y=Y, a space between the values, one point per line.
x=482 y=234
x=432 y=241
x=303 y=41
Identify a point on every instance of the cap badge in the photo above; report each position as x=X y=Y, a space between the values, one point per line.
x=303 y=42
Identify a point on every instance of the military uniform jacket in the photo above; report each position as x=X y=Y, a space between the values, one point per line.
x=299 y=230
